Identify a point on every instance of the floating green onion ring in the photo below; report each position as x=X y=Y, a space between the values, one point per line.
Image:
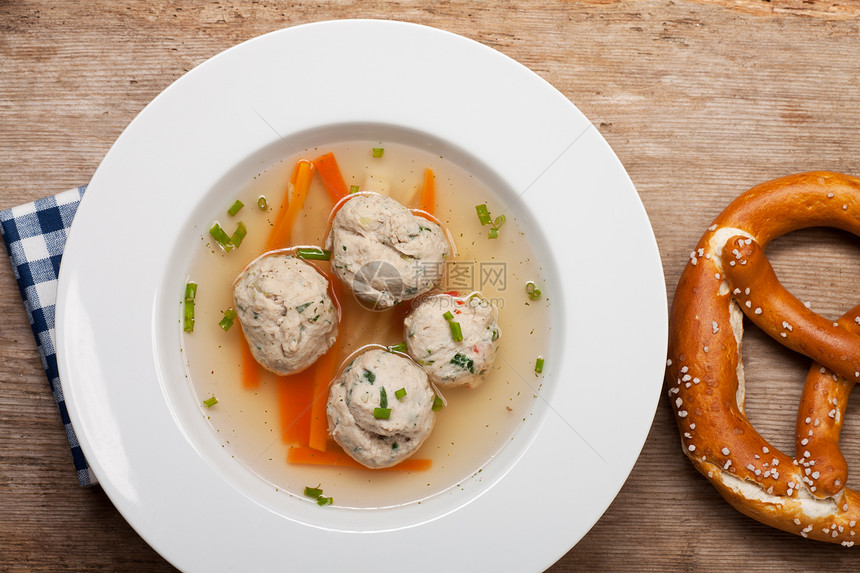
x=210 y=402
x=483 y=214
x=235 y=208
x=353 y=188
x=313 y=254
x=456 y=331
x=239 y=234
x=221 y=237
x=382 y=413
x=262 y=202
x=401 y=347
x=532 y=290
x=539 y=365
x=400 y=394
x=227 y=321
x=500 y=220
x=378 y=151
x=438 y=403
x=383 y=398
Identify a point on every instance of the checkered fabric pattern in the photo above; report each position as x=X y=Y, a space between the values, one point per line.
x=35 y=235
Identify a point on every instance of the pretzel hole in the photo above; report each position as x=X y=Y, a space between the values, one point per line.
x=821 y=266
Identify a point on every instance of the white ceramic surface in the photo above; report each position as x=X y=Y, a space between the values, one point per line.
x=204 y=137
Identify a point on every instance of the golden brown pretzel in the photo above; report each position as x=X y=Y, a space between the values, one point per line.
x=728 y=276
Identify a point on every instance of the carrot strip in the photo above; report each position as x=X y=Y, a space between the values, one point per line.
x=428 y=193
x=249 y=366
x=329 y=172
x=295 y=393
x=325 y=369
x=309 y=456
x=283 y=228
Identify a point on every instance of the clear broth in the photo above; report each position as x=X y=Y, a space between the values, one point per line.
x=473 y=426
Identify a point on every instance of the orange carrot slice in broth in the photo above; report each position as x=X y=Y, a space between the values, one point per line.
x=329 y=172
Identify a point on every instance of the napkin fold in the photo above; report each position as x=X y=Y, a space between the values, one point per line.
x=35 y=235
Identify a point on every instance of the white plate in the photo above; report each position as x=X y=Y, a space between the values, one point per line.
x=204 y=137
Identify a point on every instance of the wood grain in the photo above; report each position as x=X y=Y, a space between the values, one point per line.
x=699 y=99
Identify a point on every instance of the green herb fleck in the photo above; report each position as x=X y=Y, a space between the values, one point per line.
x=353 y=188
x=532 y=291
x=456 y=331
x=401 y=347
x=221 y=237
x=438 y=403
x=239 y=234
x=382 y=413
x=464 y=362
x=188 y=307
x=302 y=307
x=369 y=376
x=313 y=254
x=227 y=321
x=235 y=208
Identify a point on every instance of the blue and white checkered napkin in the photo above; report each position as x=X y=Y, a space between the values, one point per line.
x=35 y=235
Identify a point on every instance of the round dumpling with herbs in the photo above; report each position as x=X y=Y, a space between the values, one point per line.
x=286 y=313
x=380 y=409
x=383 y=252
x=453 y=338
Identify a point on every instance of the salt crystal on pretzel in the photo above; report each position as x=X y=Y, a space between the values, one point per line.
x=805 y=494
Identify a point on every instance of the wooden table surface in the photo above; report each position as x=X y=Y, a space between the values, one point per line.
x=699 y=99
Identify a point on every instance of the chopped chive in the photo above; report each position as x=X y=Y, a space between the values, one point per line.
x=313 y=254
x=188 y=316
x=262 y=202
x=353 y=188
x=456 y=331
x=438 y=403
x=369 y=376
x=239 y=234
x=383 y=398
x=382 y=413
x=464 y=362
x=483 y=214
x=495 y=335
x=539 y=365
x=325 y=500
x=493 y=233
x=227 y=321
x=314 y=492
x=400 y=394
x=448 y=315
x=532 y=290
x=302 y=307
x=190 y=291
x=210 y=402
x=378 y=151
x=398 y=347
x=235 y=208
x=220 y=237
